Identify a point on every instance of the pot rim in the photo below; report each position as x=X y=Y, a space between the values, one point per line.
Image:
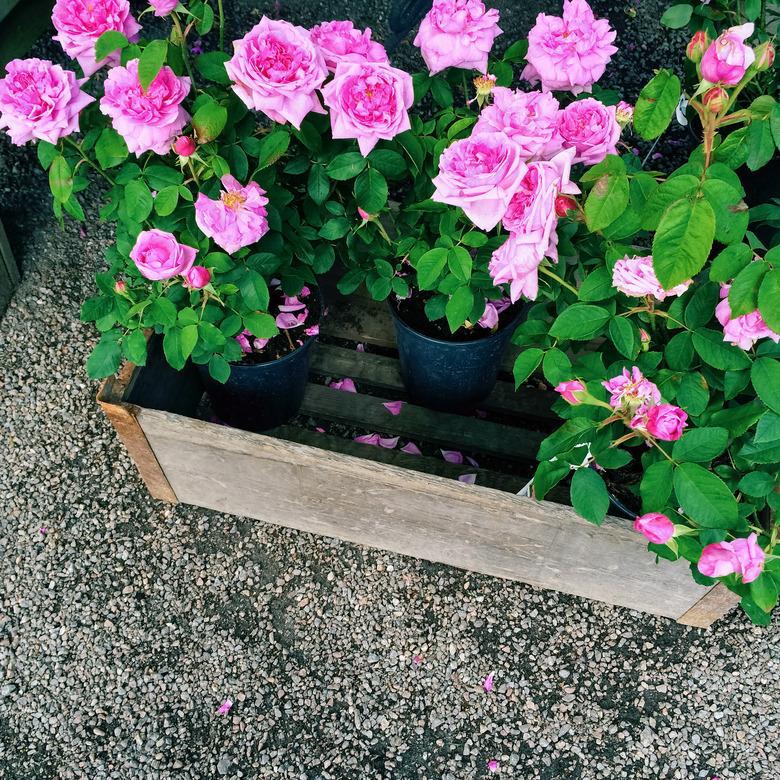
x=250 y=366
x=500 y=332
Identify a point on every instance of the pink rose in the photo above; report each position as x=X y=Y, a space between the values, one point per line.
x=664 y=421
x=742 y=556
x=163 y=7
x=569 y=53
x=655 y=527
x=530 y=119
x=197 y=277
x=276 y=69
x=158 y=255
x=341 y=42
x=184 y=146
x=237 y=219
x=632 y=392
x=480 y=174
x=489 y=318
x=79 y=24
x=636 y=276
x=516 y=262
x=457 y=34
x=591 y=128
x=147 y=119
x=568 y=390
x=727 y=58
x=40 y=100
x=743 y=331
x=368 y=101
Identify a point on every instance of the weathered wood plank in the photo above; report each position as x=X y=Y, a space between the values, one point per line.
x=421 y=424
x=429 y=517
x=714 y=604
x=9 y=271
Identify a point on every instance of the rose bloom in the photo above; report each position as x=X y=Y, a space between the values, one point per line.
x=480 y=174
x=664 y=421
x=276 y=69
x=368 y=101
x=197 y=277
x=457 y=34
x=569 y=53
x=237 y=219
x=635 y=276
x=591 y=128
x=147 y=119
x=655 y=527
x=79 y=24
x=341 y=42
x=530 y=119
x=727 y=57
x=163 y=7
x=742 y=556
x=158 y=255
x=743 y=331
x=516 y=263
x=568 y=389
x=40 y=100
x=631 y=391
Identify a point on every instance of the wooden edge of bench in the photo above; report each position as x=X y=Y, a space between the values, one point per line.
x=712 y=606
x=122 y=416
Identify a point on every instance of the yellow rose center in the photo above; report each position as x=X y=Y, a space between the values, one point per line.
x=233 y=200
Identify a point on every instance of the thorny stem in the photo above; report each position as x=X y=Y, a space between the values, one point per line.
x=221 y=25
x=547 y=272
x=183 y=43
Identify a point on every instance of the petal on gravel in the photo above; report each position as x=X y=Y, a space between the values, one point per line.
x=224 y=708
x=452 y=456
x=411 y=449
x=417 y=660
x=487 y=683
x=469 y=479
x=493 y=765
x=394 y=407
x=346 y=384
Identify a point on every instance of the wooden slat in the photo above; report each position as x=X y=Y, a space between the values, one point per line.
x=421 y=424
x=429 y=517
x=714 y=604
x=9 y=271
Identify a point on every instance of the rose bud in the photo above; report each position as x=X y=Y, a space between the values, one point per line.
x=568 y=391
x=765 y=56
x=184 y=146
x=197 y=277
x=697 y=46
x=716 y=99
x=644 y=338
x=120 y=287
x=364 y=215
x=564 y=204
x=655 y=527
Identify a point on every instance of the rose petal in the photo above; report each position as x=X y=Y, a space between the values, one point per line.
x=368 y=438
x=388 y=443
x=487 y=683
x=411 y=449
x=417 y=660
x=319 y=430
x=452 y=456
x=360 y=348
x=493 y=765
x=472 y=462
x=468 y=479
x=224 y=708
x=394 y=407
x=346 y=384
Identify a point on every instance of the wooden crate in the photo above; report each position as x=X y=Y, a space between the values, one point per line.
x=414 y=505
x=9 y=271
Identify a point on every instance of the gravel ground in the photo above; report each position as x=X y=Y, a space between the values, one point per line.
x=125 y=623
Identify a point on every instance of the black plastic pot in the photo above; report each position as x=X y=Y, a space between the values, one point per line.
x=260 y=396
x=452 y=376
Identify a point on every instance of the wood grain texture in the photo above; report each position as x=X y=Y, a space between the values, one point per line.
x=714 y=604
x=9 y=271
x=425 y=516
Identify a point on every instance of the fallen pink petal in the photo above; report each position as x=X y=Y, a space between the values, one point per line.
x=394 y=407
x=452 y=456
x=42 y=530
x=368 y=438
x=389 y=443
x=224 y=708
x=314 y=330
x=472 y=462
x=346 y=384
x=319 y=430
x=360 y=348
x=411 y=449
x=468 y=479
x=493 y=765
x=487 y=683
x=417 y=660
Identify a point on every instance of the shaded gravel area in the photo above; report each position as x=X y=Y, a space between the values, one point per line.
x=124 y=623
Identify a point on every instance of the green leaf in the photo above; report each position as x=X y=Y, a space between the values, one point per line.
x=109 y=41
x=570 y=433
x=754 y=612
x=254 y=290
x=556 y=366
x=151 y=61
x=743 y=294
x=682 y=187
x=679 y=351
x=589 y=495
x=763 y=591
x=46 y=154
x=166 y=200
x=765 y=376
x=717 y=353
x=730 y=262
x=272 y=148
x=761 y=148
x=701 y=445
x=104 y=359
x=683 y=241
x=318 y=185
x=212 y=66
x=211 y=337
x=110 y=149
x=60 y=179
x=162 y=312
x=693 y=394
x=430 y=266
x=656 y=104
x=768 y=428
x=134 y=347
x=351 y=281
x=525 y=364
x=656 y=486
x=597 y=286
x=701 y=306
x=346 y=166
x=138 y=200
x=677 y=16
x=460 y=262
x=335 y=228
x=210 y=120
x=371 y=191
x=734 y=150
x=459 y=307
x=219 y=369
x=474 y=239
x=178 y=344
x=607 y=200
x=705 y=497
x=624 y=336
x=731 y=213
x=516 y=52
x=261 y=326
x=580 y=322
x=769 y=299
x=757 y=484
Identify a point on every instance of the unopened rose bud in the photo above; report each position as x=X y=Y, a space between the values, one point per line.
x=570 y=391
x=716 y=99
x=184 y=146
x=197 y=277
x=697 y=46
x=364 y=215
x=624 y=113
x=564 y=204
x=644 y=338
x=484 y=86
x=120 y=287
x=765 y=56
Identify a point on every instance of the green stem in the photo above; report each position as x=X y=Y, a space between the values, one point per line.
x=547 y=272
x=183 y=44
x=89 y=162
x=221 y=25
